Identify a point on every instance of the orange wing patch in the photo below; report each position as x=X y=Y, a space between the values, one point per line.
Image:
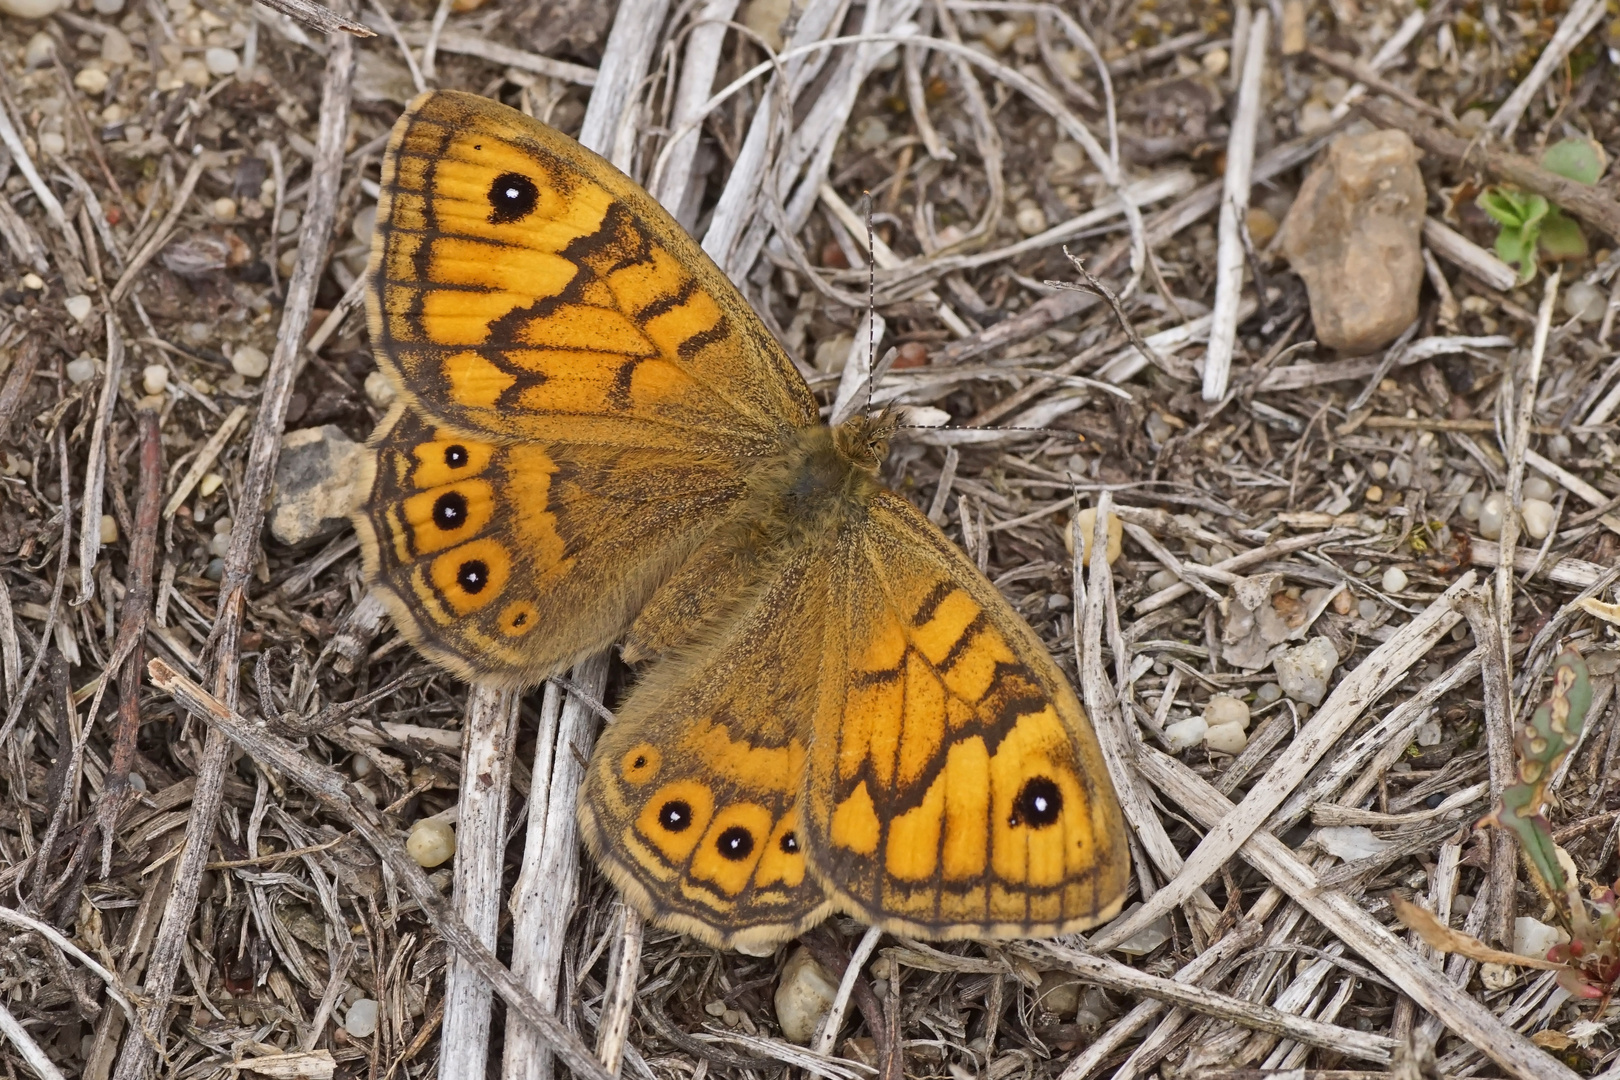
x=522 y=288
x=957 y=789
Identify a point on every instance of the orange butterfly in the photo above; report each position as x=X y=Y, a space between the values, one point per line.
x=598 y=441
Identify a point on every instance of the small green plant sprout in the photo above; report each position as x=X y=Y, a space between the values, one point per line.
x=1588 y=964
x=1529 y=223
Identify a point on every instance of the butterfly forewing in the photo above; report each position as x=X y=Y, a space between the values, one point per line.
x=956 y=788
x=524 y=289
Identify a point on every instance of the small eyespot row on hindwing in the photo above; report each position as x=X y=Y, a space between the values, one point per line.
x=450 y=510
x=675 y=816
x=456 y=456
x=472 y=576
x=736 y=843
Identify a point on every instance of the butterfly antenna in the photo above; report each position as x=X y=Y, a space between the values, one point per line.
x=871 y=306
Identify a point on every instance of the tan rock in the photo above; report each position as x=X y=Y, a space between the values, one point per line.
x=1353 y=235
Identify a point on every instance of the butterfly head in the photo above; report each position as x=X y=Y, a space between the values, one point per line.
x=863 y=440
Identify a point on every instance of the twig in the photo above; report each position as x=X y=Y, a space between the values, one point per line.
x=42 y=191
x=1096 y=287
x=24 y=361
x=629 y=49
x=1229 y=255
x=465 y=44
x=548 y=880
x=26 y=1047
x=326 y=785
x=319 y=17
x=698 y=67
x=488 y=733
x=204 y=460
x=624 y=973
x=1581 y=19
x=1462 y=252
x=1586 y=202
x=1102 y=706
x=1345 y=65
x=95 y=478
x=827 y=1032
x=136 y=610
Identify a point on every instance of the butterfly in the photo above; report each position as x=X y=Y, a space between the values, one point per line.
x=596 y=440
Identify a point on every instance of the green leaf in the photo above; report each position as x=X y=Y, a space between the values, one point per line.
x=1581 y=160
x=1561 y=237
x=1518 y=247
x=1505 y=206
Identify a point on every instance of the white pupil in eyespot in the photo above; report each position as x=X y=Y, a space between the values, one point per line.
x=511 y=193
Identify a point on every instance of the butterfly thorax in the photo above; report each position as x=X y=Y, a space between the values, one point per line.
x=820 y=482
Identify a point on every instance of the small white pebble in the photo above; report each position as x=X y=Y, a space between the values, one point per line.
x=209 y=484
x=1068 y=156
x=115 y=48
x=224 y=209
x=137 y=781
x=1470 y=505
x=30 y=9
x=1226 y=709
x=194 y=72
x=79 y=307
x=1537 y=487
x=804 y=995
x=33 y=282
x=1394 y=579
x=1532 y=937
x=41 y=48
x=1268 y=693
x=219 y=545
x=249 y=362
x=1226 y=739
x=1379 y=469
x=92 y=80
x=379 y=390
x=1491 y=512
x=364 y=224
x=107 y=7
x=52 y=144
x=155 y=378
x=1539 y=516
x=361 y=1019
x=431 y=842
x=1585 y=302
x=1184 y=733
x=224 y=524
x=222 y=61
x=1030 y=219
x=1215 y=62
x=1558 y=447
x=1367 y=608
x=81 y=369
x=109 y=529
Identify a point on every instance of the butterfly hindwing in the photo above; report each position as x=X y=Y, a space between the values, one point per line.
x=956 y=788
x=510 y=562
x=522 y=288
x=692 y=800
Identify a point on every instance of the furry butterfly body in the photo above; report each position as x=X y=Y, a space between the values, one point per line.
x=597 y=441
